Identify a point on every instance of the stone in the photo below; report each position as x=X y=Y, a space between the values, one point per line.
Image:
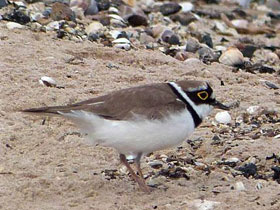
x=13 y=25
x=94 y=27
x=170 y=8
x=3 y=3
x=62 y=11
x=239 y=186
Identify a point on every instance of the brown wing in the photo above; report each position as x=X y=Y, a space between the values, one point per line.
x=150 y=101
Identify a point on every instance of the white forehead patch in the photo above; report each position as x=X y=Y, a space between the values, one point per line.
x=201 y=87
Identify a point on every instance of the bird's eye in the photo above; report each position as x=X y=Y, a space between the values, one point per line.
x=203 y=95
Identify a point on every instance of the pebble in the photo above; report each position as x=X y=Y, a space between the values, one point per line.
x=223 y=117
x=248 y=170
x=92 y=8
x=207 y=55
x=3 y=3
x=253 y=109
x=239 y=186
x=170 y=8
x=259 y=186
x=61 y=11
x=156 y=181
x=94 y=27
x=203 y=204
x=232 y=160
x=156 y=164
x=13 y=25
x=192 y=45
x=272 y=58
x=271 y=85
x=47 y=81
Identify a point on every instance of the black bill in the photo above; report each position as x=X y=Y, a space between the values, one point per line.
x=219 y=105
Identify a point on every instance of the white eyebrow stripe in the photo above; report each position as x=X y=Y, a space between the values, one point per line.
x=184 y=95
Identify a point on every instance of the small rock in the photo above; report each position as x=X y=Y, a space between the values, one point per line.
x=92 y=8
x=207 y=55
x=184 y=18
x=146 y=39
x=232 y=161
x=223 y=117
x=207 y=40
x=259 y=186
x=170 y=8
x=134 y=16
x=18 y=17
x=94 y=27
x=271 y=85
x=203 y=204
x=93 y=37
x=192 y=45
x=61 y=11
x=239 y=186
x=246 y=49
x=103 y=4
x=272 y=58
x=248 y=170
x=155 y=164
x=13 y=25
x=276 y=175
x=156 y=181
x=174 y=173
x=168 y=36
x=253 y=110
x=3 y=3
x=193 y=61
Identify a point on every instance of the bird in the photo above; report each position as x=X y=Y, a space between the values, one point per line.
x=139 y=120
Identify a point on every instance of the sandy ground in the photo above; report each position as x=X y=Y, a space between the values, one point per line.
x=50 y=167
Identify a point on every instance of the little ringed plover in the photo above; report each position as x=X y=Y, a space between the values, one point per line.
x=139 y=120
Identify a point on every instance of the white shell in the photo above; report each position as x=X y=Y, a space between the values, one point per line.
x=253 y=109
x=232 y=57
x=240 y=23
x=53 y=25
x=223 y=117
x=192 y=61
x=117 y=22
x=233 y=160
x=116 y=17
x=272 y=58
x=13 y=25
x=186 y=6
x=240 y=186
x=115 y=33
x=123 y=46
x=220 y=48
x=113 y=10
x=94 y=27
x=47 y=81
x=121 y=41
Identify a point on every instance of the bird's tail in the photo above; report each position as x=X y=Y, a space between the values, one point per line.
x=49 y=111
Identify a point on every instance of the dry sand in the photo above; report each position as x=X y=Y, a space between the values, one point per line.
x=50 y=167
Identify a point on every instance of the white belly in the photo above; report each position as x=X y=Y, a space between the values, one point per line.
x=139 y=135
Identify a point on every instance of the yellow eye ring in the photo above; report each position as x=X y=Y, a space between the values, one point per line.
x=203 y=95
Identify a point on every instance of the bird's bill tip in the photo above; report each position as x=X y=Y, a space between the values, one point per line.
x=219 y=105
